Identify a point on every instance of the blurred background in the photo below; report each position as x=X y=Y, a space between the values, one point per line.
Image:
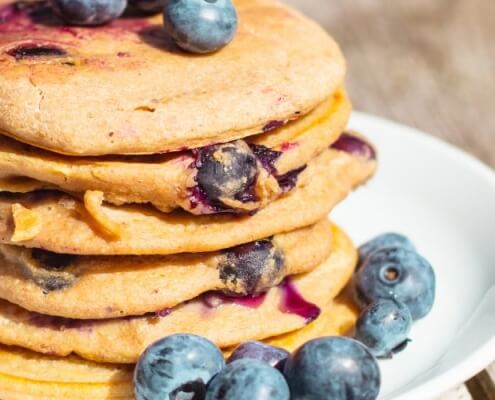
x=426 y=63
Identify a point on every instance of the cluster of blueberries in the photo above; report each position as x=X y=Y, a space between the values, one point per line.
x=395 y=286
x=198 y=26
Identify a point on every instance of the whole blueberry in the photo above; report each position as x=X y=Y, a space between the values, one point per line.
x=148 y=6
x=248 y=380
x=177 y=367
x=336 y=368
x=274 y=356
x=200 y=26
x=397 y=273
x=226 y=170
x=89 y=12
x=390 y=239
x=384 y=327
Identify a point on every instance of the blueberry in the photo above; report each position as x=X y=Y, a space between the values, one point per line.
x=177 y=367
x=89 y=12
x=275 y=356
x=200 y=26
x=384 y=327
x=334 y=368
x=248 y=380
x=252 y=268
x=226 y=170
x=385 y=240
x=397 y=273
x=148 y=6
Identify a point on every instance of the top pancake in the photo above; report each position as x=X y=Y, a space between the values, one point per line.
x=124 y=88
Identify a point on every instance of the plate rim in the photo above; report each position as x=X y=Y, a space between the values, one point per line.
x=480 y=359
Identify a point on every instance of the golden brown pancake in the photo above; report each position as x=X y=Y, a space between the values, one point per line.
x=124 y=88
x=171 y=181
x=28 y=375
x=224 y=320
x=37 y=220
x=65 y=286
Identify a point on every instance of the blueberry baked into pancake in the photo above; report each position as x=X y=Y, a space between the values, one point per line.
x=64 y=285
x=167 y=168
x=94 y=227
x=240 y=176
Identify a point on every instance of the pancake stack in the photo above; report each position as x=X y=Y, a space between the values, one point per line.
x=147 y=192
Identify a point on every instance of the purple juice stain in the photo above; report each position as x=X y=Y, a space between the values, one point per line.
x=355 y=146
x=272 y=125
x=24 y=16
x=33 y=16
x=7 y=12
x=163 y=313
x=249 y=301
x=266 y=156
x=288 y=146
x=216 y=299
x=293 y=303
x=197 y=198
x=288 y=181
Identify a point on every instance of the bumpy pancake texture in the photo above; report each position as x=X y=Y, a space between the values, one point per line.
x=166 y=181
x=225 y=321
x=109 y=236
x=65 y=286
x=36 y=220
x=123 y=85
x=31 y=376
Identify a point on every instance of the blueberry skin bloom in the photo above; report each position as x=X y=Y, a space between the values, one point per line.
x=89 y=12
x=390 y=239
x=335 y=368
x=384 y=327
x=177 y=367
x=248 y=380
x=274 y=356
x=200 y=26
x=397 y=273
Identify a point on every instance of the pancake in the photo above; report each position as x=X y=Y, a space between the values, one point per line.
x=65 y=286
x=224 y=320
x=36 y=220
x=126 y=89
x=171 y=181
x=337 y=319
x=25 y=375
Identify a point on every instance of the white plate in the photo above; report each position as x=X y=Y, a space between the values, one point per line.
x=444 y=200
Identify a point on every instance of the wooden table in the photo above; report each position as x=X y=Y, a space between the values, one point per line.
x=425 y=63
